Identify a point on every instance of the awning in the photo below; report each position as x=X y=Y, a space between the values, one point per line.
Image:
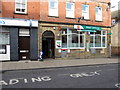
x=87 y=28
x=91 y=27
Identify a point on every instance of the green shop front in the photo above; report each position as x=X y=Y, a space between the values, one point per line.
x=82 y=41
x=73 y=41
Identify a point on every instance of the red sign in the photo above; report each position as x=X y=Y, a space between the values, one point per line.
x=59 y=28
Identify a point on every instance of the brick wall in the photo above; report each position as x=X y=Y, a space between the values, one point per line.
x=33 y=10
x=78 y=13
x=0 y=9
x=38 y=9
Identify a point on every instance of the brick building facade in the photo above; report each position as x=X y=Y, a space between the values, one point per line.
x=65 y=29
x=71 y=29
x=18 y=30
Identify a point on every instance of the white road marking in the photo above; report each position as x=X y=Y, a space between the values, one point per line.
x=117 y=85
x=76 y=75
x=2 y=82
x=25 y=80
x=13 y=81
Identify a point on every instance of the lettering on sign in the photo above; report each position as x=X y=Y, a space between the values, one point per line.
x=84 y=74
x=24 y=80
x=2 y=22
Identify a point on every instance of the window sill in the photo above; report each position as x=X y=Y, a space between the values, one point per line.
x=73 y=48
x=98 y=21
x=97 y=47
x=70 y=18
x=86 y=19
x=53 y=16
x=20 y=13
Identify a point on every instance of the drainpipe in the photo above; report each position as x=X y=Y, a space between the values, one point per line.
x=110 y=50
x=30 y=23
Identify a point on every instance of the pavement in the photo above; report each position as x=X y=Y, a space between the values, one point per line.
x=53 y=63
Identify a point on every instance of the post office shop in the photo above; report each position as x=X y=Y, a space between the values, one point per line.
x=73 y=41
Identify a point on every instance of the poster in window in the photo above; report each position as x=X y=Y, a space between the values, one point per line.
x=58 y=43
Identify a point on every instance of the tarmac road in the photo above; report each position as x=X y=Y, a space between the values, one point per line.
x=91 y=76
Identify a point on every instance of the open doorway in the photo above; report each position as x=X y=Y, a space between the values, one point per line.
x=24 y=44
x=48 y=44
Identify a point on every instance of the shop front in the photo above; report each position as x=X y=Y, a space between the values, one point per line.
x=76 y=41
x=18 y=39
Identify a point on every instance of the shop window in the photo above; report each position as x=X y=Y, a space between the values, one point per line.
x=53 y=7
x=21 y=6
x=64 y=41
x=64 y=32
x=98 y=39
x=92 y=44
x=73 y=39
x=4 y=40
x=103 y=41
x=85 y=11
x=98 y=14
x=82 y=40
x=70 y=9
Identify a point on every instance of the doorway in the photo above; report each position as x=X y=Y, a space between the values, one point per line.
x=24 y=48
x=48 y=44
x=24 y=44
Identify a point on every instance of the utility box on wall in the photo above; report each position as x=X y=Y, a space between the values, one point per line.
x=64 y=53
x=93 y=51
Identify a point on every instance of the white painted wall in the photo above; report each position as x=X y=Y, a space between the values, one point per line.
x=5 y=57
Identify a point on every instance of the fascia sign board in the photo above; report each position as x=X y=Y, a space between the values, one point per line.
x=87 y=27
x=18 y=22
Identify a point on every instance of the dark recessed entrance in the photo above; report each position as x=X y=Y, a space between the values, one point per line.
x=24 y=44
x=24 y=48
x=48 y=44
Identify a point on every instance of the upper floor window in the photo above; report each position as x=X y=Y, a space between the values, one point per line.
x=70 y=9
x=85 y=11
x=53 y=7
x=20 y=6
x=98 y=13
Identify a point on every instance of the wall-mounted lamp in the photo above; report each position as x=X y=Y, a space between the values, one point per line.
x=80 y=18
x=109 y=6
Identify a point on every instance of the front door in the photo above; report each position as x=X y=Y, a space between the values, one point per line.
x=24 y=44
x=48 y=45
x=24 y=47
